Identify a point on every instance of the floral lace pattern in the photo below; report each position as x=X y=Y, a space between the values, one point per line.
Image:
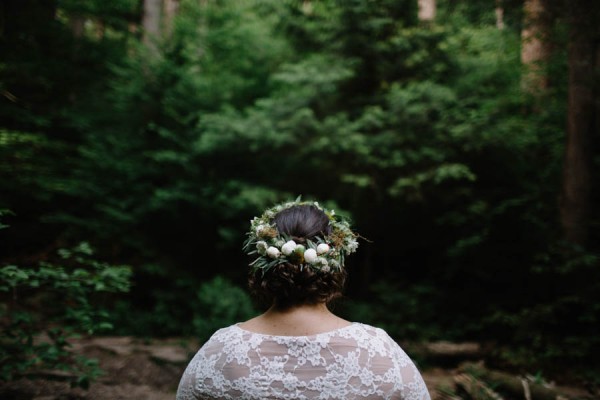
x=354 y=362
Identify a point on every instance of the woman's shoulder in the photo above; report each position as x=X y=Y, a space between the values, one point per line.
x=363 y=335
x=354 y=328
x=372 y=337
x=220 y=339
x=372 y=331
x=225 y=334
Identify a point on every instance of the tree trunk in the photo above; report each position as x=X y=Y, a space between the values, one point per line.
x=307 y=7
x=582 y=123
x=427 y=10
x=499 y=15
x=535 y=46
x=151 y=22
x=169 y=11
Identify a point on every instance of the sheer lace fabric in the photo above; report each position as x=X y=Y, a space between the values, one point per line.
x=354 y=362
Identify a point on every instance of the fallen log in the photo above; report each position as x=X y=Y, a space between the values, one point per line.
x=513 y=386
x=475 y=388
x=445 y=353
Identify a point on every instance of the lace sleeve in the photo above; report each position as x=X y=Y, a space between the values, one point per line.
x=186 y=390
x=412 y=385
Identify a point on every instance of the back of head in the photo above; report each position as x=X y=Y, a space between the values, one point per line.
x=290 y=283
x=302 y=222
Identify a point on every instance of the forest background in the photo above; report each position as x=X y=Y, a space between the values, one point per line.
x=138 y=139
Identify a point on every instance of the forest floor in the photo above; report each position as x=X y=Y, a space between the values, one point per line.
x=150 y=370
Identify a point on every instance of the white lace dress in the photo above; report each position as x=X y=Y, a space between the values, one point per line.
x=354 y=362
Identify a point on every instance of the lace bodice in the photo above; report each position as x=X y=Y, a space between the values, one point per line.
x=354 y=362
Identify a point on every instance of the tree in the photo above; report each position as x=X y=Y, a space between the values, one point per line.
x=170 y=11
x=499 y=11
x=427 y=10
x=582 y=122
x=535 y=46
x=151 y=22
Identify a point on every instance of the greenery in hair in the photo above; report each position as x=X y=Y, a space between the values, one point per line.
x=322 y=253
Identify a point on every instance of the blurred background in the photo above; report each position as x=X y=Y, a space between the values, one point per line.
x=138 y=139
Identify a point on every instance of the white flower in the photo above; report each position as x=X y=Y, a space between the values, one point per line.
x=288 y=248
x=334 y=264
x=279 y=243
x=321 y=261
x=310 y=256
x=352 y=246
x=269 y=213
x=325 y=268
x=273 y=252
x=261 y=247
x=323 y=248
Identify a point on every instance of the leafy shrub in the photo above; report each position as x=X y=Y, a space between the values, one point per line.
x=219 y=304
x=181 y=307
x=406 y=312
x=559 y=324
x=43 y=307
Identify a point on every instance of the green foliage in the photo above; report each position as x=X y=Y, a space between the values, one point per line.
x=49 y=304
x=208 y=306
x=537 y=333
x=219 y=303
x=414 y=315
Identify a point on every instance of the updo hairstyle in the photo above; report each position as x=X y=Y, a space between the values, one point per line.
x=287 y=285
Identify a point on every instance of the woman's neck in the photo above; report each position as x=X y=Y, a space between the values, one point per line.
x=310 y=310
x=296 y=321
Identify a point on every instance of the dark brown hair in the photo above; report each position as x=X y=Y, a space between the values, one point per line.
x=288 y=285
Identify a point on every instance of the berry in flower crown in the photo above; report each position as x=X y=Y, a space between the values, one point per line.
x=323 y=253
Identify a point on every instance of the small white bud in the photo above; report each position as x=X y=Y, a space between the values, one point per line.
x=288 y=248
x=273 y=252
x=323 y=248
x=310 y=256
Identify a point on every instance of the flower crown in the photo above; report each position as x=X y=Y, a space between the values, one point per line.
x=322 y=254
